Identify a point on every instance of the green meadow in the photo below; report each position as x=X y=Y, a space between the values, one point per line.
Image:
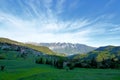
x=28 y=70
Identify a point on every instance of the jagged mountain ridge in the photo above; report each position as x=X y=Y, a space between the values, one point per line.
x=68 y=48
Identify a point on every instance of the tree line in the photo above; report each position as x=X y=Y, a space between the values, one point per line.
x=56 y=61
x=64 y=62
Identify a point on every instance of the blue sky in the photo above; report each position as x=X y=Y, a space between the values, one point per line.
x=91 y=22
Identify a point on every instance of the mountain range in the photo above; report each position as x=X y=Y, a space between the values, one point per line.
x=67 y=48
x=54 y=48
x=100 y=53
x=102 y=57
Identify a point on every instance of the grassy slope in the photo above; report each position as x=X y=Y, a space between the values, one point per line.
x=27 y=70
x=38 y=48
x=43 y=49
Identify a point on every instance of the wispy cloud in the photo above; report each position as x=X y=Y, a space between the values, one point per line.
x=110 y=2
x=39 y=22
x=60 y=6
x=47 y=30
x=43 y=30
x=115 y=29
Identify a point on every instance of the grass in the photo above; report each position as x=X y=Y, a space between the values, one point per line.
x=28 y=70
x=42 y=49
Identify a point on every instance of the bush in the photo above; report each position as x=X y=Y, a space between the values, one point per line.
x=2 y=67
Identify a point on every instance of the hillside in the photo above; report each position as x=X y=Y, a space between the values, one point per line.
x=6 y=40
x=68 y=48
x=106 y=52
x=38 y=48
x=102 y=57
x=13 y=52
x=101 y=53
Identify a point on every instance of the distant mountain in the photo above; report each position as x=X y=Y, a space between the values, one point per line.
x=68 y=48
x=107 y=52
x=42 y=49
x=111 y=49
x=102 y=53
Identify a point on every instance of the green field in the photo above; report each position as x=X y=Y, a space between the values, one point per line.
x=28 y=70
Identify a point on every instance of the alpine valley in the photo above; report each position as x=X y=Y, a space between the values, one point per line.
x=43 y=58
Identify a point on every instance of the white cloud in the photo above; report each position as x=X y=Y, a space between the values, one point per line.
x=115 y=29
x=46 y=27
x=51 y=30
x=48 y=5
x=45 y=30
